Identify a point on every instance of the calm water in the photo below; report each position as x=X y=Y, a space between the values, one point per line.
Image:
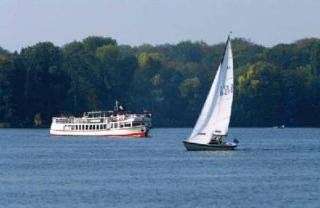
x=271 y=168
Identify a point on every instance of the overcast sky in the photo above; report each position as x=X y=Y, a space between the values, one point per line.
x=133 y=22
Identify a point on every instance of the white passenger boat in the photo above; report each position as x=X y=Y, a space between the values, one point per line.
x=103 y=123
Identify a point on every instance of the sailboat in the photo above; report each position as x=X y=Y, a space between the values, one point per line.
x=211 y=128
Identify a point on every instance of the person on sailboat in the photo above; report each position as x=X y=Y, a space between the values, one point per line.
x=216 y=139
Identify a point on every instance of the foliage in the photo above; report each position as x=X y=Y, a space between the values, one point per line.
x=273 y=86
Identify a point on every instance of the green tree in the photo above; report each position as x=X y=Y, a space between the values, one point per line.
x=46 y=83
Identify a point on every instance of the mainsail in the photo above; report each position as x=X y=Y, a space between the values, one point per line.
x=215 y=115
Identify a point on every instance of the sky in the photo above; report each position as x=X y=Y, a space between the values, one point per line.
x=134 y=22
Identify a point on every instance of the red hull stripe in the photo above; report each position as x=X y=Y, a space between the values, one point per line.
x=142 y=134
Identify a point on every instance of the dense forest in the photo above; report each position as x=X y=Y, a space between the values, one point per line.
x=273 y=86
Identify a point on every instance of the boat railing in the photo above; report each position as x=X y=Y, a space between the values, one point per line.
x=140 y=116
x=65 y=120
x=85 y=119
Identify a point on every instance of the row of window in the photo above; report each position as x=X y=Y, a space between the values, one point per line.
x=88 y=127
x=103 y=126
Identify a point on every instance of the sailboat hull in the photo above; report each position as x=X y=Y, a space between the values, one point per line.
x=209 y=147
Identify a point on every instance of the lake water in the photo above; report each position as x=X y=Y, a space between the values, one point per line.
x=271 y=168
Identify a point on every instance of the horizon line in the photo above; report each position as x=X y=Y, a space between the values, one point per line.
x=160 y=44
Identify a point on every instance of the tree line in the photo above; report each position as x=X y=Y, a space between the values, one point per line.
x=273 y=85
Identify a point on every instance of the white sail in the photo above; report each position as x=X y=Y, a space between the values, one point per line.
x=215 y=115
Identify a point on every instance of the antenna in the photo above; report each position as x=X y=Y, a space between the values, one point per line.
x=230 y=33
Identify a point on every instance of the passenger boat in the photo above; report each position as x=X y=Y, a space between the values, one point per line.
x=103 y=123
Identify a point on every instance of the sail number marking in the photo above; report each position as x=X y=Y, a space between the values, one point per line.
x=226 y=89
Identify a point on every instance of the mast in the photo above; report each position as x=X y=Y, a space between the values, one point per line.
x=225 y=47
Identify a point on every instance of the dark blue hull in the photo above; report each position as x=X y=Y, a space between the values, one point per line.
x=209 y=147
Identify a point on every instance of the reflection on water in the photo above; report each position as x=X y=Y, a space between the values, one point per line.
x=220 y=153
